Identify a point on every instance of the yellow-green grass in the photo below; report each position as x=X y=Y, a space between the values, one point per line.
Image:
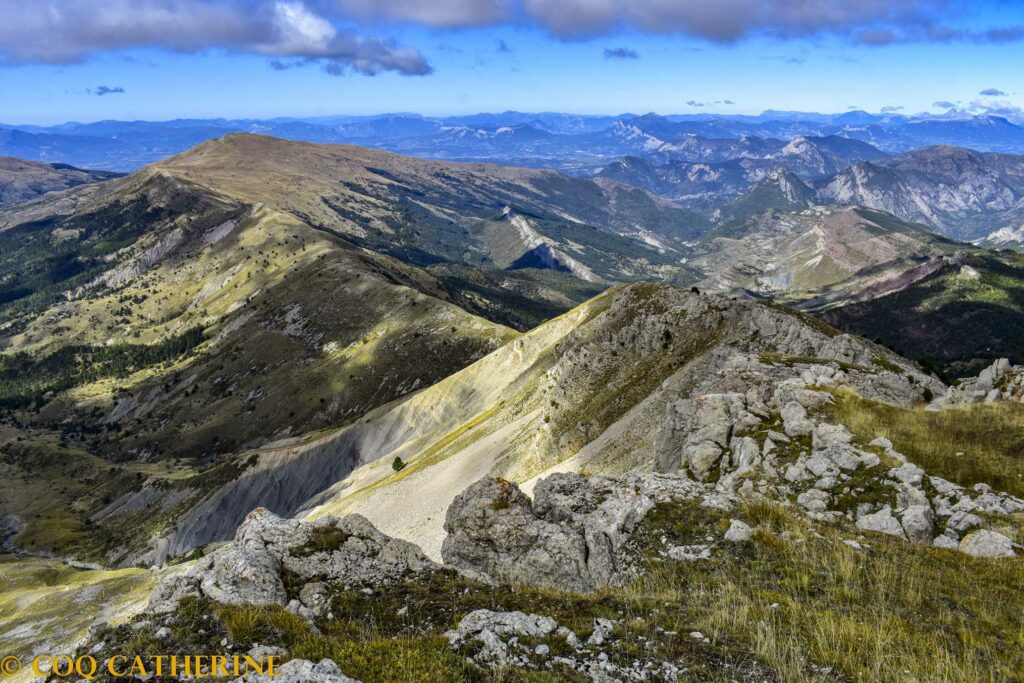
x=46 y=606
x=799 y=596
x=967 y=445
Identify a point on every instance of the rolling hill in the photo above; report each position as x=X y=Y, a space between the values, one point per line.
x=22 y=180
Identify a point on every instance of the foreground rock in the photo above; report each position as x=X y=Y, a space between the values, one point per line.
x=302 y=671
x=498 y=644
x=319 y=556
x=986 y=543
x=570 y=536
x=762 y=430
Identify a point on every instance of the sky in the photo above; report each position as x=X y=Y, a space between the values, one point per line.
x=87 y=60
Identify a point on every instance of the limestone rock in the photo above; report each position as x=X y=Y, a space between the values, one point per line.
x=738 y=532
x=814 y=500
x=882 y=522
x=363 y=555
x=918 y=523
x=700 y=430
x=248 y=571
x=987 y=543
x=795 y=421
x=242 y=574
x=491 y=629
x=301 y=671
x=568 y=537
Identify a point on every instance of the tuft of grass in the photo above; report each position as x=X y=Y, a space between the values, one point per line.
x=323 y=539
x=990 y=438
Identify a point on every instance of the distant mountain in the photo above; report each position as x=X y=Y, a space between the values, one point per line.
x=577 y=143
x=700 y=148
x=1010 y=237
x=796 y=256
x=707 y=183
x=696 y=185
x=781 y=190
x=988 y=133
x=428 y=212
x=22 y=180
x=957 y=192
x=817 y=157
x=951 y=306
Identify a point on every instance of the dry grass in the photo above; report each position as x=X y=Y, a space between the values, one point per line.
x=968 y=445
x=891 y=612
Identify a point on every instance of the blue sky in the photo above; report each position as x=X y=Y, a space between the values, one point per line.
x=217 y=58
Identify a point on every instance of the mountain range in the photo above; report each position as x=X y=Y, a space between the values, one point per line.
x=554 y=140
x=363 y=408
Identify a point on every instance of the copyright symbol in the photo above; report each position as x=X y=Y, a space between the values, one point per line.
x=10 y=665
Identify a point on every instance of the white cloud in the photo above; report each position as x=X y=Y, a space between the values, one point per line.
x=69 y=31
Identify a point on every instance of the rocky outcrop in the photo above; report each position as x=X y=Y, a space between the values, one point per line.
x=569 y=536
x=1000 y=381
x=768 y=436
x=327 y=554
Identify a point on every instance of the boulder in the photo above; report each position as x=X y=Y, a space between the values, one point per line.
x=795 y=421
x=738 y=532
x=987 y=543
x=242 y=574
x=699 y=430
x=329 y=551
x=918 y=523
x=301 y=671
x=814 y=500
x=496 y=631
x=569 y=536
x=882 y=522
x=359 y=553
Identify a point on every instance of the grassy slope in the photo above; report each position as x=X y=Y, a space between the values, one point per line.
x=293 y=318
x=968 y=445
x=46 y=606
x=22 y=180
x=425 y=211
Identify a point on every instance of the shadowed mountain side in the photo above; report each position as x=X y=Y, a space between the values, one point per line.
x=959 y=317
x=290 y=328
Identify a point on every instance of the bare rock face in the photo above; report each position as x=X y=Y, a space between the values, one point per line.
x=329 y=551
x=494 y=534
x=706 y=425
x=569 y=536
x=242 y=574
